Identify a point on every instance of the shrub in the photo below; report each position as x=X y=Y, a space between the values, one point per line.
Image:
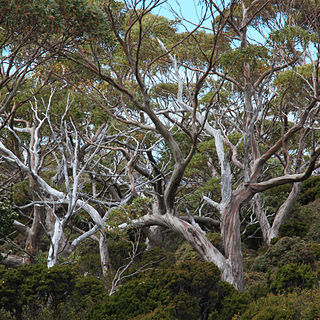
x=310 y=190
x=32 y=286
x=284 y=251
x=292 y=276
x=187 y=290
x=304 y=305
x=294 y=227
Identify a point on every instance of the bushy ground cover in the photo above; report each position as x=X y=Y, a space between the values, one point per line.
x=282 y=282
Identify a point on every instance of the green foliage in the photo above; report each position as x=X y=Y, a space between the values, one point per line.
x=304 y=305
x=274 y=197
x=21 y=193
x=67 y=17
x=196 y=50
x=186 y=253
x=90 y=262
x=7 y=217
x=310 y=190
x=298 y=223
x=292 y=34
x=292 y=276
x=156 y=257
x=304 y=222
x=87 y=291
x=234 y=304
x=125 y=213
x=292 y=85
x=284 y=251
x=5 y=315
x=32 y=286
x=188 y=290
x=256 y=56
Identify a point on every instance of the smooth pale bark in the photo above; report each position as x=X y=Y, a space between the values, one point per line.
x=84 y=236
x=104 y=253
x=283 y=211
x=269 y=231
x=55 y=242
x=261 y=216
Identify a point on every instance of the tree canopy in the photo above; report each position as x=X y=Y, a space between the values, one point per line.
x=114 y=122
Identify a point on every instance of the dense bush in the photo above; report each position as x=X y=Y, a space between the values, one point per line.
x=188 y=290
x=7 y=217
x=310 y=190
x=284 y=251
x=304 y=305
x=298 y=224
x=290 y=277
x=31 y=287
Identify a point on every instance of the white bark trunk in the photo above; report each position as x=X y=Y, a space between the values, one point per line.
x=55 y=243
x=104 y=253
x=230 y=229
x=261 y=216
x=283 y=211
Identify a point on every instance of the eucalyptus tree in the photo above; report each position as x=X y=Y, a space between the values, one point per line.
x=62 y=154
x=163 y=92
x=129 y=73
x=240 y=112
x=32 y=34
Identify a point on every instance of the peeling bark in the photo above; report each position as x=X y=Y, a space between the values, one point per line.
x=230 y=229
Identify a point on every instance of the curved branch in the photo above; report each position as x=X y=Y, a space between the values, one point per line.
x=196 y=238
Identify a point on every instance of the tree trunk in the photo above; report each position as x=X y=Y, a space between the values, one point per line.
x=196 y=238
x=55 y=243
x=104 y=253
x=284 y=210
x=36 y=230
x=269 y=232
x=261 y=216
x=230 y=229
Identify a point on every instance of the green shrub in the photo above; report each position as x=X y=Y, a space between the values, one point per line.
x=87 y=291
x=234 y=304
x=33 y=286
x=292 y=276
x=304 y=305
x=293 y=227
x=284 y=251
x=5 y=315
x=186 y=253
x=187 y=290
x=90 y=262
x=313 y=233
x=310 y=190
x=7 y=217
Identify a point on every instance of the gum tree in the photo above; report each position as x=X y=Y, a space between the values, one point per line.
x=168 y=91
x=245 y=76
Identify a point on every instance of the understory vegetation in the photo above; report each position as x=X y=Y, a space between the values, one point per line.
x=172 y=282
